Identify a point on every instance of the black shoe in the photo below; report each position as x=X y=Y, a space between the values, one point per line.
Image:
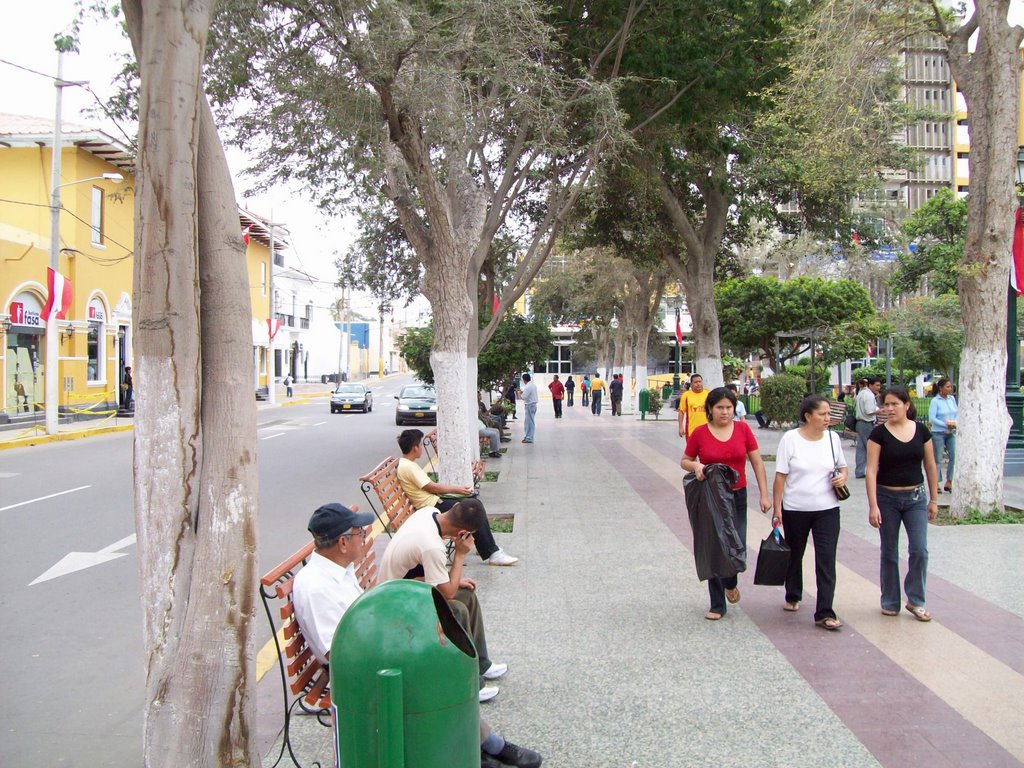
x=486 y=761
x=495 y=454
x=506 y=439
x=519 y=756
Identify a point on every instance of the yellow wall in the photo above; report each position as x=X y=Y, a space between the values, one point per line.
x=101 y=275
x=257 y=258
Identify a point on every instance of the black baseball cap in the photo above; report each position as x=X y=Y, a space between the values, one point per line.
x=332 y=520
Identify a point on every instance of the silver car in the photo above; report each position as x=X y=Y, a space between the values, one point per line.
x=351 y=397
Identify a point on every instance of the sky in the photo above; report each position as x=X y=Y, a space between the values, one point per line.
x=26 y=40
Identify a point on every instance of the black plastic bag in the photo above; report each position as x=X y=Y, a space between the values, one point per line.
x=772 y=561
x=718 y=549
x=851 y=420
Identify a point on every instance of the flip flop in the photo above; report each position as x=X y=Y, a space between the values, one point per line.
x=733 y=595
x=887 y=612
x=829 y=623
x=712 y=616
x=792 y=607
x=919 y=612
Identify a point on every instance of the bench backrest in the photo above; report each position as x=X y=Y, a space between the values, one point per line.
x=836 y=412
x=395 y=506
x=301 y=671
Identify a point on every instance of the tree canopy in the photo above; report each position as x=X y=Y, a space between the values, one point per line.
x=936 y=232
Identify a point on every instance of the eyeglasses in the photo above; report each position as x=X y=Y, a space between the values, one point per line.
x=359 y=532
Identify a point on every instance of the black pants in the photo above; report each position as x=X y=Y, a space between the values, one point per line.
x=824 y=525
x=483 y=538
x=595 y=402
x=616 y=406
x=558 y=408
x=716 y=586
x=568 y=397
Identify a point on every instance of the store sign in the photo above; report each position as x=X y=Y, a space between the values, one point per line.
x=96 y=311
x=26 y=313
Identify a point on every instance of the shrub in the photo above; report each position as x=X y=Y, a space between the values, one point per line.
x=656 y=403
x=781 y=396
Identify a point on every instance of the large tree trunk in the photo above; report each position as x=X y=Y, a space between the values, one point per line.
x=990 y=79
x=194 y=481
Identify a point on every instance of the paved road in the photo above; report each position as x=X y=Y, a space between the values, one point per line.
x=72 y=665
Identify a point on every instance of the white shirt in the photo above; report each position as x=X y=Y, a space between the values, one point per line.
x=866 y=405
x=741 y=411
x=417 y=543
x=322 y=592
x=530 y=394
x=808 y=465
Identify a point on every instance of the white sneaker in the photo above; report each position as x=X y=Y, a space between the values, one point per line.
x=488 y=692
x=495 y=671
x=501 y=558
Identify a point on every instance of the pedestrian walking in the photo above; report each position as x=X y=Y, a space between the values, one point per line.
x=288 y=384
x=724 y=441
x=866 y=410
x=898 y=494
x=692 y=411
x=615 y=393
x=597 y=387
x=530 y=399
x=585 y=391
x=557 y=394
x=570 y=388
x=806 y=504
x=942 y=419
x=129 y=389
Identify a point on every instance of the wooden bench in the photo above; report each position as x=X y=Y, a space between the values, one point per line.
x=395 y=506
x=477 y=467
x=305 y=682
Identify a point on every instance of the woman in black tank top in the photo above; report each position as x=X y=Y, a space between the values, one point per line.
x=897 y=494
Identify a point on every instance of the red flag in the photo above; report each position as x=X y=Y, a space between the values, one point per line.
x=495 y=305
x=58 y=300
x=245 y=235
x=679 y=331
x=273 y=326
x=1017 y=268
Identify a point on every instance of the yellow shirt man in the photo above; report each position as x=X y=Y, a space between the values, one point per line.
x=597 y=384
x=691 y=406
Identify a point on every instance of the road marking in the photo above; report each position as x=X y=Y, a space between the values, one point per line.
x=44 y=498
x=317 y=424
x=267 y=657
x=8 y=475
x=77 y=561
x=268 y=437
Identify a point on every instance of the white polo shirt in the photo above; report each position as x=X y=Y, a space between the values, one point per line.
x=322 y=592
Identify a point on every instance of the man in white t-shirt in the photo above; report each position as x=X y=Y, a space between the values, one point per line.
x=417 y=551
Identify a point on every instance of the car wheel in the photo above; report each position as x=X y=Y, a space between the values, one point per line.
x=398 y=421
x=334 y=410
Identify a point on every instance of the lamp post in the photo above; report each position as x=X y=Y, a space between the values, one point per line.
x=1013 y=464
x=678 y=304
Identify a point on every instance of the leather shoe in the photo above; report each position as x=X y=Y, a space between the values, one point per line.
x=486 y=761
x=519 y=756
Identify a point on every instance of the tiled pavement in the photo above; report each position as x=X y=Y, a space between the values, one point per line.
x=611 y=662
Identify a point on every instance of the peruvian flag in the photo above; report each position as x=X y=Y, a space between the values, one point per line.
x=245 y=235
x=679 y=331
x=273 y=326
x=58 y=302
x=1017 y=269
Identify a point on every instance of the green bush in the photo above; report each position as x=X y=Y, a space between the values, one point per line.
x=821 y=376
x=656 y=403
x=781 y=396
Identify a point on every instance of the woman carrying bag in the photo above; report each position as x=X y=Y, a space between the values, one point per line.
x=810 y=479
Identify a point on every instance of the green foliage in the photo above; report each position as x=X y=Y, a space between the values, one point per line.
x=381 y=261
x=821 y=376
x=655 y=405
x=781 y=396
x=732 y=368
x=516 y=343
x=937 y=229
x=1006 y=516
x=929 y=333
x=753 y=310
x=901 y=376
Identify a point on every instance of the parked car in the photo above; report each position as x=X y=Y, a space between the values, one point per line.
x=351 y=397
x=417 y=404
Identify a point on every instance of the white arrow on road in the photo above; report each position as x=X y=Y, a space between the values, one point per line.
x=77 y=561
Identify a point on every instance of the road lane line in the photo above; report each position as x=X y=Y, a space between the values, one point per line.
x=267 y=657
x=44 y=498
x=318 y=423
x=268 y=437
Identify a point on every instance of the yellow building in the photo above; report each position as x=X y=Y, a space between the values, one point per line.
x=96 y=242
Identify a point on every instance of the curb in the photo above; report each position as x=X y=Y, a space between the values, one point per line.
x=43 y=439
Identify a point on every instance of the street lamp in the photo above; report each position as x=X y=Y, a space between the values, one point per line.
x=51 y=406
x=677 y=303
x=1013 y=464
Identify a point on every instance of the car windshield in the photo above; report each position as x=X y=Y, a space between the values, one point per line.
x=418 y=392
x=350 y=389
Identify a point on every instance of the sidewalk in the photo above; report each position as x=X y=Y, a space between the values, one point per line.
x=611 y=662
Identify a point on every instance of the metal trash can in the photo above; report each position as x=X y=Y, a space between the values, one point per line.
x=644 y=403
x=404 y=682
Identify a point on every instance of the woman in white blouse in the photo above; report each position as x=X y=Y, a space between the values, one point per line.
x=805 y=503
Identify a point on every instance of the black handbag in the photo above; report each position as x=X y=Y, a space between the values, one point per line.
x=772 y=560
x=851 y=420
x=842 y=491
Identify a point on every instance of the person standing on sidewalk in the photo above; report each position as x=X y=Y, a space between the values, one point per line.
x=288 y=385
x=597 y=387
x=570 y=388
x=897 y=493
x=615 y=392
x=942 y=418
x=557 y=394
x=530 y=399
x=724 y=441
x=866 y=410
x=806 y=504
x=692 y=413
x=585 y=391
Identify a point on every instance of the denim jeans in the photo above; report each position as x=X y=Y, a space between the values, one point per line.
x=824 y=525
x=716 y=586
x=863 y=430
x=911 y=509
x=531 y=421
x=595 y=403
x=944 y=441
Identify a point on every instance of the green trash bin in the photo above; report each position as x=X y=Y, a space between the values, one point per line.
x=666 y=393
x=644 y=403
x=404 y=682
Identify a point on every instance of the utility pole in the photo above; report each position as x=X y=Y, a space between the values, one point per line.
x=272 y=369
x=380 y=347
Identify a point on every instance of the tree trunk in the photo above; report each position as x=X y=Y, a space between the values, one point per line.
x=990 y=79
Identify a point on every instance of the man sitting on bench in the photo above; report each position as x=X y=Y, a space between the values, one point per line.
x=327 y=585
x=423 y=492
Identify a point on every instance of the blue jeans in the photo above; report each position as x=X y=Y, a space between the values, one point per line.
x=863 y=430
x=716 y=586
x=531 y=421
x=595 y=405
x=947 y=441
x=911 y=509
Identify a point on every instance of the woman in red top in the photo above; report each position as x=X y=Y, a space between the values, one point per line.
x=724 y=441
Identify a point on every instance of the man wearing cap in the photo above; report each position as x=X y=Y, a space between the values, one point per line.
x=327 y=585
x=417 y=551
x=424 y=492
